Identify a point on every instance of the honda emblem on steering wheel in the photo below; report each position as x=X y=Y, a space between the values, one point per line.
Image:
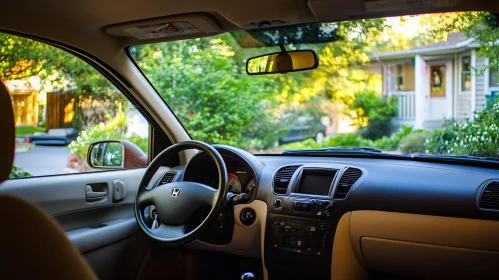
x=176 y=192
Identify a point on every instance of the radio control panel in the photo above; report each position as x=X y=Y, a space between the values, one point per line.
x=305 y=207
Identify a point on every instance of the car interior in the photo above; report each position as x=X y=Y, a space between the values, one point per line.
x=178 y=215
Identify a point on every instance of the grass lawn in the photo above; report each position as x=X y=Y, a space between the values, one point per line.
x=21 y=131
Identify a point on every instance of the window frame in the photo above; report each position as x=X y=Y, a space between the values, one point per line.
x=155 y=134
x=390 y=67
x=463 y=72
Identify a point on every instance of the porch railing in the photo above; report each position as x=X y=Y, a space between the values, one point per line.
x=406 y=104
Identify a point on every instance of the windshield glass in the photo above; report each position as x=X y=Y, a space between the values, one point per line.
x=410 y=84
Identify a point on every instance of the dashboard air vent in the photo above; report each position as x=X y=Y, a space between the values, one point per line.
x=490 y=196
x=282 y=178
x=349 y=177
x=168 y=177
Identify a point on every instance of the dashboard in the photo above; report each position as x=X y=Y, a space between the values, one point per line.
x=386 y=205
x=203 y=170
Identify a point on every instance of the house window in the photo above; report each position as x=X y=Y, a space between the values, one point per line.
x=437 y=81
x=492 y=96
x=493 y=77
x=396 y=77
x=466 y=73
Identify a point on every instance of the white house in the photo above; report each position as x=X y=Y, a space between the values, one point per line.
x=438 y=82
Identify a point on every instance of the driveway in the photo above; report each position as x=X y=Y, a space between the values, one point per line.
x=43 y=160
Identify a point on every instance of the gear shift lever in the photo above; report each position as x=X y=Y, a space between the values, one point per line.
x=248 y=276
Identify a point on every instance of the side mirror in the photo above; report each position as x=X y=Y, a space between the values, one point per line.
x=282 y=62
x=115 y=154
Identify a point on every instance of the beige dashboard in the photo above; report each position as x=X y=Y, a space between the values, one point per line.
x=422 y=246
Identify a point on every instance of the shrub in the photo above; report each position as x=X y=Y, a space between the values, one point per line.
x=391 y=143
x=414 y=143
x=17 y=172
x=479 y=136
x=340 y=140
x=441 y=141
x=372 y=114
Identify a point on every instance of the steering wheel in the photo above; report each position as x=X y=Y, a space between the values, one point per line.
x=177 y=202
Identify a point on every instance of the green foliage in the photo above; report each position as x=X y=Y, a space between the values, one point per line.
x=442 y=141
x=480 y=135
x=114 y=129
x=17 y=172
x=391 y=143
x=414 y=143
x=210 y=93
x=59 y=70
x=372 y=114
x=476 y=137
x=22 y=131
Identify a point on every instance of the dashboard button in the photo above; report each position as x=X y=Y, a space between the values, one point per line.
x=247 y=216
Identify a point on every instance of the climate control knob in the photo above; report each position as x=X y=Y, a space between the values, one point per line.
x=278 y=203
x=329 y=209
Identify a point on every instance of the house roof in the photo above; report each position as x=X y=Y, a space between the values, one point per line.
x=455 y=42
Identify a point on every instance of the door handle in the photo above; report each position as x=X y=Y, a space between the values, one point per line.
x=92 y=196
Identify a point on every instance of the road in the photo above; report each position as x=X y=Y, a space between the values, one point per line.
x=43 y=160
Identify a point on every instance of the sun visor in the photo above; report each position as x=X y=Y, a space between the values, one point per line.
x=166 y=28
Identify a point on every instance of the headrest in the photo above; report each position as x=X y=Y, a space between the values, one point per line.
x=7 y=132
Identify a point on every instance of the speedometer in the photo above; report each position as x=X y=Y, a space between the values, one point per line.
x=234 y=183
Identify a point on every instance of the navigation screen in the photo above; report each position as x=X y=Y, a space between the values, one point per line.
x=316 y=182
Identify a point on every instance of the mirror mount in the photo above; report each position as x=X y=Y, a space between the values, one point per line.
x=283 y=48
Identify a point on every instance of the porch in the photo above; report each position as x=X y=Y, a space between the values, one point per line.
x=431 y=90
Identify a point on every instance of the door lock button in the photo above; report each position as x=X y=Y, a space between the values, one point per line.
x=119 y=190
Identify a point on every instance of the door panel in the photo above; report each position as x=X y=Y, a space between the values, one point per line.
x=63 y=194
x=104 y=231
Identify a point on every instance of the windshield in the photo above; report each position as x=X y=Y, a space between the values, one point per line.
x=411 y=84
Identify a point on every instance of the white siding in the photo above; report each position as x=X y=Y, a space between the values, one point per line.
x=480 y=84
x=463 y=106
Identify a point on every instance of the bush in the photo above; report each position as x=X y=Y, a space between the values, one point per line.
x=17 y=172
x=385 y=143
x=480 y=136
x=391 y=143
x=114 y=129
x=441 y=141
x=340 y=140
x=372 y=114
x=477 y=137
x=414 y=143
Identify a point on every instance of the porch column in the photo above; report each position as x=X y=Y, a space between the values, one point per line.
x=419 y=88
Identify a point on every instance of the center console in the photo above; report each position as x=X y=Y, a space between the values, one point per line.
x=301 y=221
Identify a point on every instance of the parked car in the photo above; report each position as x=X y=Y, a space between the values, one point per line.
x=56 y=136
x=315 y=131
x=302 y=128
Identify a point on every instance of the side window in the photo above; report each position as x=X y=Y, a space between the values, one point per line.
x=61 y=106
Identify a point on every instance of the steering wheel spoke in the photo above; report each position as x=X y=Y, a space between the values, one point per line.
x=169 y=231
x=145 y=198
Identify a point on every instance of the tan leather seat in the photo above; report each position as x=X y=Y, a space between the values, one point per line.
x=32 y=245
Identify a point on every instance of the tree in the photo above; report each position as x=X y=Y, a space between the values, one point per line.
x=203 y=83
x=21 y=58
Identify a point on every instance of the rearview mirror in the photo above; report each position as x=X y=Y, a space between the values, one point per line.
x=115 y=154
x=282 y=62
